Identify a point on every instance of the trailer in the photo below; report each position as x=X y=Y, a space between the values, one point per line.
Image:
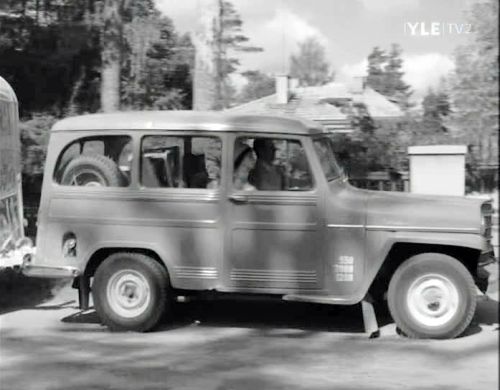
x=14 y=246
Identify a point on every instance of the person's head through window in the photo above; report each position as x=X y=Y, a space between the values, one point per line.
x=266 y=175
x=264 y=149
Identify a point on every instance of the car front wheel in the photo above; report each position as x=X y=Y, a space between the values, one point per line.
x=432 y=295
x=130 y=292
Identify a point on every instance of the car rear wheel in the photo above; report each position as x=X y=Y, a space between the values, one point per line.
x=130 y=292
x=432 y=295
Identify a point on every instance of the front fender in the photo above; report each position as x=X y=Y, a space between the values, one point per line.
x=379 y=244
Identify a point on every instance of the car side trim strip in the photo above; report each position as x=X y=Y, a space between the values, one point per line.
x=407 y=228
x=332 y=225
x=422 y=229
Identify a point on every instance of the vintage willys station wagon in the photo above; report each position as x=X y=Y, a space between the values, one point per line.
x=143 y=207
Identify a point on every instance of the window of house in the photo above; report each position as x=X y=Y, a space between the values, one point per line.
x=96 y=162
x=268 y=164
x=180 y=161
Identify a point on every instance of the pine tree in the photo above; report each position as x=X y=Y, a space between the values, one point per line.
x=385 y=76
x=436 y=107
x=376 y=70
x=218 y=39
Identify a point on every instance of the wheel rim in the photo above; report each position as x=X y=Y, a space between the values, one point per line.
x=128 y=293
x=433 y=300
x=88 y=178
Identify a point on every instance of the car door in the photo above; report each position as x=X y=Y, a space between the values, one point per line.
x=274 y=231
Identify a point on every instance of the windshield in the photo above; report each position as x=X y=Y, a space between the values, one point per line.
x=324 y=150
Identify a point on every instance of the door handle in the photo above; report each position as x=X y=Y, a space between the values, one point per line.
x=238 y=198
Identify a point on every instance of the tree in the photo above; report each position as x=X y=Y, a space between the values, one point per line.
x=156 y=71
x=111 y=54
x=259 y=85
x=309 y=65
x=385 y=75
x=474 y=92
x=46 y=47
x=436 y=107
x=376 y=70
x=218 y=38
x=52 y=54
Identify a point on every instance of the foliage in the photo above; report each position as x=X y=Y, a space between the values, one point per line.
x=372 y=146
x=157 y=65
x=474 y=91
x=229 y=40
x=309 y=65
x=436 y=108
x=34 y=140
x=50 y=52
x=43 y=49
x=385 y=75
x=259 y=85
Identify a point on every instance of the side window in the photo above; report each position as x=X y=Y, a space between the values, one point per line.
x=268 y=164
x=95 y=162
x=180 y=161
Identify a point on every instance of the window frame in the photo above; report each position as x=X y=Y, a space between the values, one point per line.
x=57 y=171
x=337 y=165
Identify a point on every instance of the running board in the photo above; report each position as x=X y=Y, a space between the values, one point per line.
x=324 y=299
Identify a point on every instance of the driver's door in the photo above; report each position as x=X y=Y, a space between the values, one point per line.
x=274 y=236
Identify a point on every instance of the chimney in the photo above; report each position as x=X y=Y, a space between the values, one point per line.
x=357 y=85
x=282 y=92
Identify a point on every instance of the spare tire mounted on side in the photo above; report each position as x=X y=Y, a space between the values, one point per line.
x=92 y=171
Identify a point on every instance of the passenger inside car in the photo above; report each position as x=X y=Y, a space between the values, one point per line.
x=265 y=175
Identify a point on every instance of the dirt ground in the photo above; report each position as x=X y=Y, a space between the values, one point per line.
x=234 y=345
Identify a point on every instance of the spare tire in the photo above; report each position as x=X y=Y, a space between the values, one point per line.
x=92 y=171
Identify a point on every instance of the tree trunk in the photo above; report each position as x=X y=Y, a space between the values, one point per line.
x=111 y=55
x=206 y=72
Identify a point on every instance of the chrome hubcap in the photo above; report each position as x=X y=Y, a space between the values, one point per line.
x=128 y=293
x=432 y=300
x=88 y=179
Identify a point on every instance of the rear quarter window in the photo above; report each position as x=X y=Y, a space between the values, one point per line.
x=104 y=161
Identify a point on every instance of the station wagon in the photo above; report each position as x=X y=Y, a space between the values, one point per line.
x=142 y=207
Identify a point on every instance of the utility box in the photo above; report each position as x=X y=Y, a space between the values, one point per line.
x=437 y=169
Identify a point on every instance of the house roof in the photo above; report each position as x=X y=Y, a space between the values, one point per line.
x=189 y=120
x=314 y=103
x=300 y=106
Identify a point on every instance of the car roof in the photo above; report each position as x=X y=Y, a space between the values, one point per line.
x=189 y=120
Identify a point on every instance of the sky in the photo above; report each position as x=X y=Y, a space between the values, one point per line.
x=427 y=30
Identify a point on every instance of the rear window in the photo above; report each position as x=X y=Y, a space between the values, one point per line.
x=96 y=162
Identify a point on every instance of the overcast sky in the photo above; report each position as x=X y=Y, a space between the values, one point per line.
x=349 y=29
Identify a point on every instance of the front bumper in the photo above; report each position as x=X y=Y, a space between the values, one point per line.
x=42 y=271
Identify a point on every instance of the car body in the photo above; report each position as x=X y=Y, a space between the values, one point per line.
x=323 y=241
